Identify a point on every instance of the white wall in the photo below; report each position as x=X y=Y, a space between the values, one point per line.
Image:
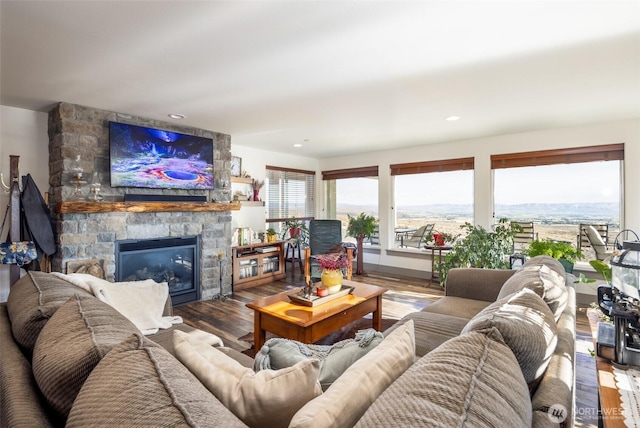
x=254 y=162
x=23 y=133
x=622 y=131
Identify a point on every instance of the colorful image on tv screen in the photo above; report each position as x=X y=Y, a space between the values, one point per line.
x=154 y=158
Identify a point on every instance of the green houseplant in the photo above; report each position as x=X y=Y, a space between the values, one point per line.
x=296 y=231
x=271 y=234
x=480 y=248
x=564 y=252
x=360 y=227
x=600 y=267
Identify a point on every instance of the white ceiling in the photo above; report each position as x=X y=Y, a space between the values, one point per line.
x=348 y=76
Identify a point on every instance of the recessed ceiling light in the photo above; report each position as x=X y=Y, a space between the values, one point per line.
x=297 y=145
x=176 y=116
x=453 y=118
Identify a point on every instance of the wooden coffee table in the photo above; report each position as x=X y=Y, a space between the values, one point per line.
x=283 y=318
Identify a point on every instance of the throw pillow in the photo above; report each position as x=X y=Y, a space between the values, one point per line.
x=138 y=383
x=346 y=400
x=71 y=344
x=33 y=299
x=544 y=281
x=278 y=353
x=472 y=380
x=528 y=328
x=267 y=398
x=548 y=261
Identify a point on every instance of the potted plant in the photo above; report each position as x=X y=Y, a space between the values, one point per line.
x=332 y=266
x=441 y=238
x=600 y=267
x=271 y=234
x=360 y=227
x=295 y=231
x=480 y=248
x=566 y=253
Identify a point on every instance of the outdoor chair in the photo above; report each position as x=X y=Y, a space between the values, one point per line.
x=418 y=237
x=325 y=236
x=598 y=244
x=521 y=240
x=583 y=240
x=374 y=239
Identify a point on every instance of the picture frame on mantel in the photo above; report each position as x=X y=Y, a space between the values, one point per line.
x=236 y=166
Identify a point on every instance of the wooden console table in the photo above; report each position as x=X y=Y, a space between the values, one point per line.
x=610 y=409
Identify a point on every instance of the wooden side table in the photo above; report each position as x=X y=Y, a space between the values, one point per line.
x=292 y=255
x=439 y=249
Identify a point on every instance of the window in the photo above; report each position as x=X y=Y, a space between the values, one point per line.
x=438 y=192
x=290 y=193
x=560 y=189
x=350 y=192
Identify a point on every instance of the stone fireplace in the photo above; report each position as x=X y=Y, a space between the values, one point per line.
x=90 y=230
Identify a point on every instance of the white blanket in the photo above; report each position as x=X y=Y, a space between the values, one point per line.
x=142 y=302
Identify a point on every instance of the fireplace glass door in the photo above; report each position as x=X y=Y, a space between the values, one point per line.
x=171 y=260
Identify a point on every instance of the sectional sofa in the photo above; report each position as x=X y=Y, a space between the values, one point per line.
x=497 y=350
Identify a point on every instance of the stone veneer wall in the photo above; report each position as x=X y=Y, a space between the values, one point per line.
x=77 y=130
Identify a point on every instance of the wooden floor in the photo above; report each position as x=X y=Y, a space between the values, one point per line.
x=230 y=319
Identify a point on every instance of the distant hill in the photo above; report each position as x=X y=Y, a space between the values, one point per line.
x=573 y=213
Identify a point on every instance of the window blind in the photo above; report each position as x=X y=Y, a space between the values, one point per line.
x=290 y=193
x=365 y=171
x=432 y=166
x=559 y=156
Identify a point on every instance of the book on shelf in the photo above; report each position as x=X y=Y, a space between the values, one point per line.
x=266 y=249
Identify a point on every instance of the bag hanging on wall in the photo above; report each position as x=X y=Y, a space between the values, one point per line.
x=17 y=252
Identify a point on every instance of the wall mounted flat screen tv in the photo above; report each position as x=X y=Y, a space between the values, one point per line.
x=158 y=159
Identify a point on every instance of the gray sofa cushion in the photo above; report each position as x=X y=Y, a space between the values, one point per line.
x=278 y=353
x=471 y=380
x=432 y=329
x=20 y=400
x=164 y=338
x=457 y=306
x=33 y=299
x=527 y=327
x=552 y=401
x=71 y=344
x=549 y=261
x=539 y=276
x=138 y=383
x=351 y=394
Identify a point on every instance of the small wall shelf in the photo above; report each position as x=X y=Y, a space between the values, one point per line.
x=243 y=180
x=252 y=203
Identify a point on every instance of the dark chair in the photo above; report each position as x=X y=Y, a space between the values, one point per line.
x=325 y=236
x=419 y=236
x=525 y=235
x=374 y=239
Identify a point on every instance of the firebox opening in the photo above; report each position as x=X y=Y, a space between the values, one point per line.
x=171 y=260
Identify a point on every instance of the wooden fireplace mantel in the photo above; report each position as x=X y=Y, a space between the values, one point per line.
x=143 y=207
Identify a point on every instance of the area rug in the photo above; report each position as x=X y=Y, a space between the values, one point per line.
x=347 y=332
